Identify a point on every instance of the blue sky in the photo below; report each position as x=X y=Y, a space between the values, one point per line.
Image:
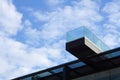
x=33 y=32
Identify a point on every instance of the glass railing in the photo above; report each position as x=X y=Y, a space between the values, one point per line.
x=84 y=32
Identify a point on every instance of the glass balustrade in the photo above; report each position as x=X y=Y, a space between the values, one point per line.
x=84 y=32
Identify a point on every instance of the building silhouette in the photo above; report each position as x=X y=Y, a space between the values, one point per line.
x=95 y=60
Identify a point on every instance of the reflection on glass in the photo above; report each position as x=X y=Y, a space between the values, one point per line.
x=84 y=32
x=44 y=74
x=58 y=70
x=28 y=78
x=35 y=77
x=114 y=54
x=76 y=65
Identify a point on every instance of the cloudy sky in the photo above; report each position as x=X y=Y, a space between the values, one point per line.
x=33 y=32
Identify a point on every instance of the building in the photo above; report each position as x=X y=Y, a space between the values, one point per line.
x=95 y=60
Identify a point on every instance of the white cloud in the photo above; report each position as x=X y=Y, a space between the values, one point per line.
x=10 y=19
x=112 y=7
x=40 y=16
x=10 y=24
x=19 y=58
x=112 y=22
x=27 y=23
x=33 y=36
x=61 y=20
x=54 y=2
x=110 y=40
x=113 y=11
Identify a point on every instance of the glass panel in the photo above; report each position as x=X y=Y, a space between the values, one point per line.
x=76 y=65
x=84 y=32
x=44 y=74
x=75 y=34
x=116 y=77
x=114 y=54
x=58 y=70
x=28 y=78
x=35 y=77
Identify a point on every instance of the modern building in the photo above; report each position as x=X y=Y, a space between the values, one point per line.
x=95 y=60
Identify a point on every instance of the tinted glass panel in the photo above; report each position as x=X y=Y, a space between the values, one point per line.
x=44 y=74
x=114 y=54
x=58 y=70
x=28 y=78
x=76 y=65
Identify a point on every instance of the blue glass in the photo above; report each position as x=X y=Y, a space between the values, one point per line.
x=28 y=78
x=114 y=54
x=84 y=32
x=76 y=65
x=58 y=70
x=44 y=74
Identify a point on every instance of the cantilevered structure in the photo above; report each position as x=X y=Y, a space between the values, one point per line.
x=95 y=60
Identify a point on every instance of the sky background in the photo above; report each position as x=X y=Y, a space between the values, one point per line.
x=33 y=32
